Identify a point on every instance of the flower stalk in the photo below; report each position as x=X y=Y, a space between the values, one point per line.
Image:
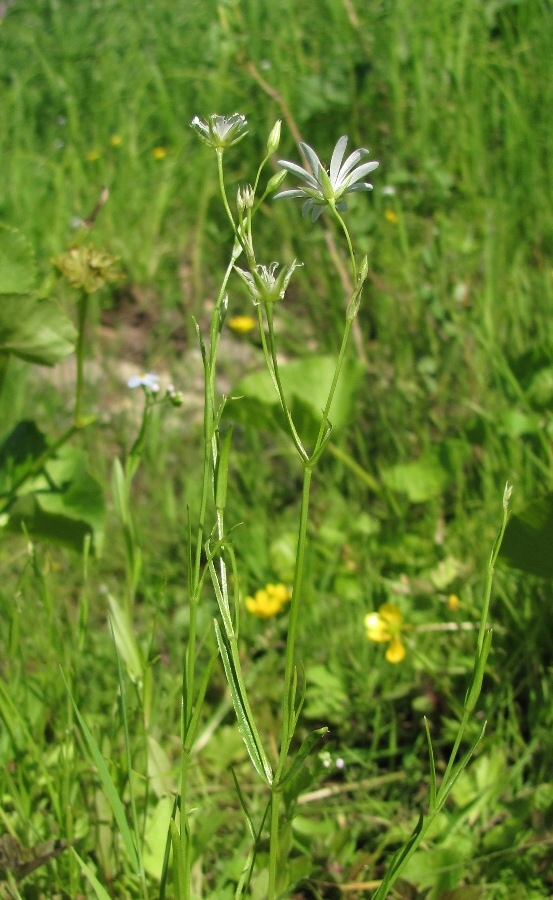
x=267 y=286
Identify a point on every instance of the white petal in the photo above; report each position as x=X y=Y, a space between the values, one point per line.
x=363 y=170
x=294 y=193
x=312 y=159
x=352 y=161
x=359 y=186
x=299 y=172
x=337 y=157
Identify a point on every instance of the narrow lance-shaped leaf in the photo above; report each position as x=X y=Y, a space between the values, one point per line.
x=245 y=726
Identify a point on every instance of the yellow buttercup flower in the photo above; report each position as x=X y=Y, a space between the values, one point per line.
x=116 y=140
x=159 y=152
x=385 y=626
x=453 y=603
x=242 y=324
x=268 y=601
x=391 y=217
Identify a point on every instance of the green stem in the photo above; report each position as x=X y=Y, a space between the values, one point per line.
x=344 y=228
x=288 y=700
x=274 y=371
x=4 y=362
x=274 y=842
x=81 y=327
x=235 y=229
x=190 y=717
x=324 y=433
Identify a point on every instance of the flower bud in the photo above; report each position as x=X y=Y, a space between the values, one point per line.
x=274 y=137
x=275 y=181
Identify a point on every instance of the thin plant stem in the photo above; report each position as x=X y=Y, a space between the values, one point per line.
x=324 y=432
x=288 y=697
x=79 y=351
x=344 y=228
x=190 y=719
x=4 y=363
x=278 y=384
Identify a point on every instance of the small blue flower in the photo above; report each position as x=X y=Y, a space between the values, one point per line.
x=146 y=380
x=324 y=188
x=220 y=131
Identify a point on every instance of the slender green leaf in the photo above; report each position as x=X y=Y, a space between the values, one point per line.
x=245 y=727
x=125 y=641
x=99 y=890
x=432 y=762
x=128 y=754
x=109 y=788
x=304 y=751
x=179 y=878
x=446 y=787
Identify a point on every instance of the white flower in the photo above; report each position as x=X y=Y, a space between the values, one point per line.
x=220 y=131
x=324 y=188
x=146 y=380
x=262 y=284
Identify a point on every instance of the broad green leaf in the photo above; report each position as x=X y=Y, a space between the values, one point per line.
x=35 y=330
x=515 y=423
x=326 y=695
x=429 y=475
x=160 y=771
x=306 y=384
x=155 y=837
x=528 y=541
x=19 y=451
x=540 y=390
x=63 y=504
x=440 y=867
x=17 y=262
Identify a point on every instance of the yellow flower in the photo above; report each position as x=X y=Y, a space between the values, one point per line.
x=386 y=626
x=242 y=324
x=159 y=152
x=268 y=601
x=92 y=155
x=453 y=603
x=116 y=140
x=391 y=216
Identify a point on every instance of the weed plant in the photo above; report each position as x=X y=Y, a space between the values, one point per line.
x=448 y=397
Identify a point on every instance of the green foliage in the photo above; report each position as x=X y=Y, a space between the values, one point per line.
x=447 y=396
x=31 y=327
x=529 y=538
x=306 y=384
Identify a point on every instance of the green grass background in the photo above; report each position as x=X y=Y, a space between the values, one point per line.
x=454 y=98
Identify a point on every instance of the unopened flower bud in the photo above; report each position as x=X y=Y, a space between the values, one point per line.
x=275 y=181
x=274 y=137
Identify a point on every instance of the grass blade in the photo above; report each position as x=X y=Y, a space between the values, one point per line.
x=109 y=788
